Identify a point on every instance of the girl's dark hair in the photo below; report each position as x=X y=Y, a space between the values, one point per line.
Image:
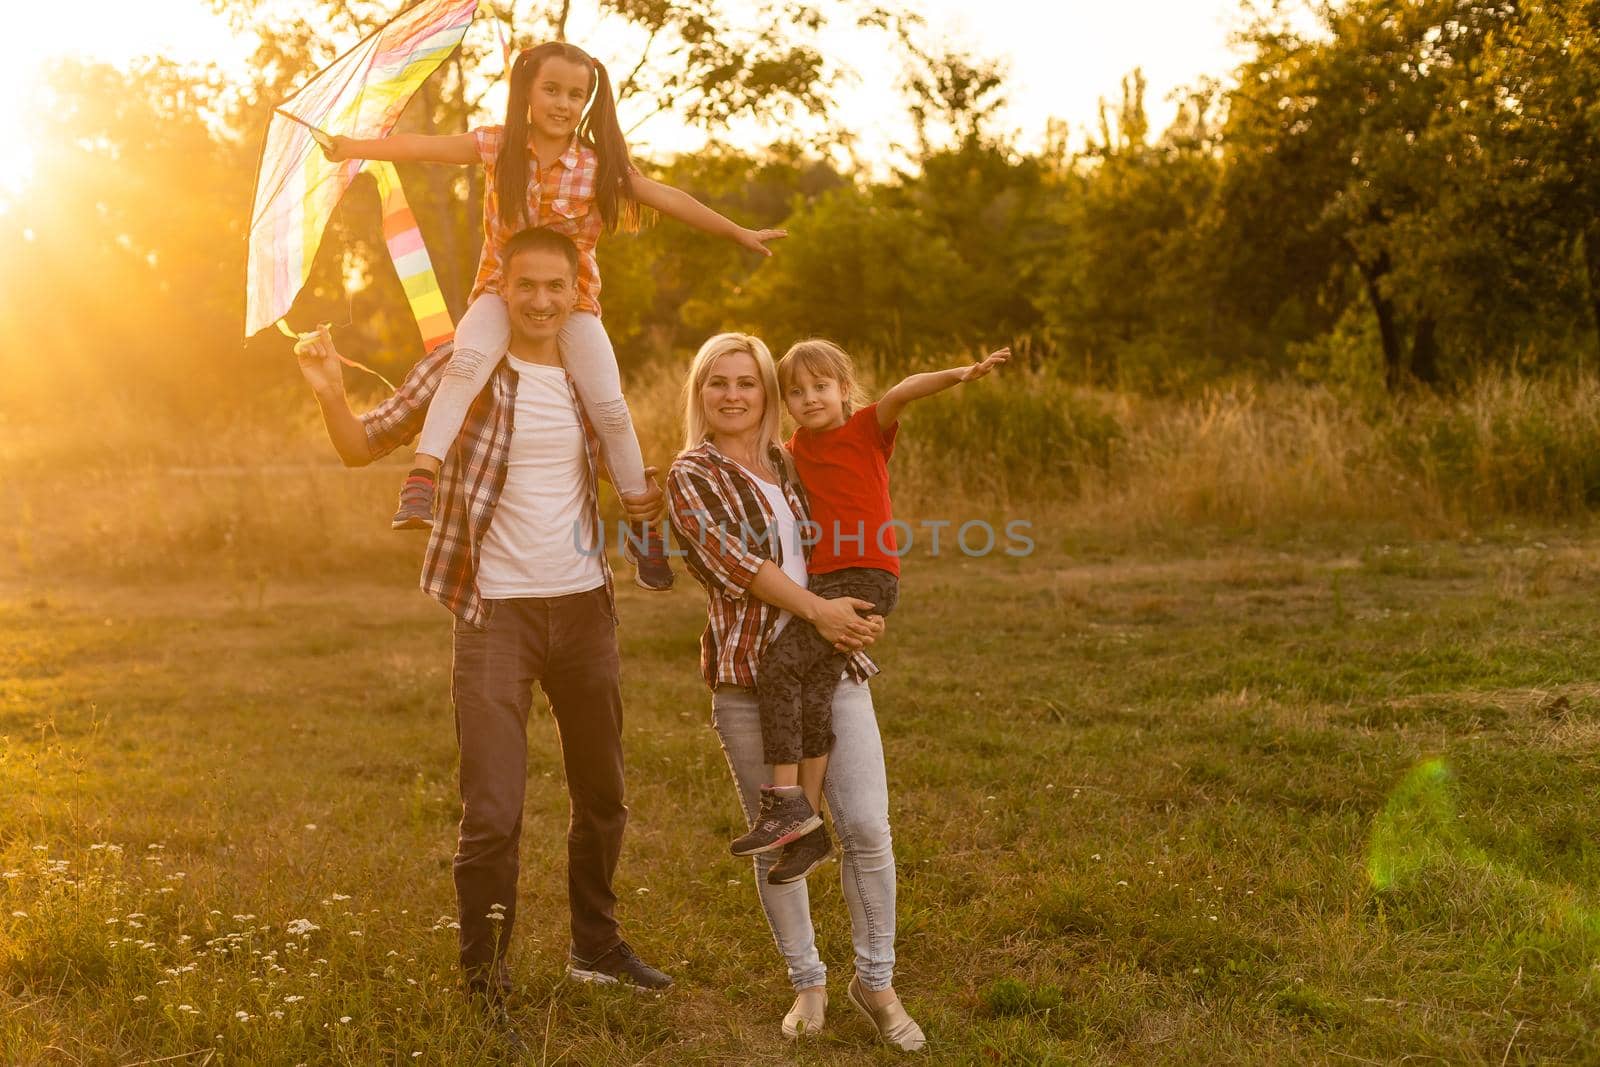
x=599 y=129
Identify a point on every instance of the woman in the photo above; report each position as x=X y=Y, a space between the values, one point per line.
x=737 y=513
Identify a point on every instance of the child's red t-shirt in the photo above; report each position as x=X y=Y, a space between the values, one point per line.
x=846 y=474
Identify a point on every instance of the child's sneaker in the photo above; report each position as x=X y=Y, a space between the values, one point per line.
x=646 y=547
x=416 y=503
x=785 y=814
x=799 y=858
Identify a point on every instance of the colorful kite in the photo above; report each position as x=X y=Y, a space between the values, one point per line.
x=361 y=94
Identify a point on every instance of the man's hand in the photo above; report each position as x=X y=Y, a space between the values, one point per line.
x=642 y=507
x=319 y=362
x=986 y=364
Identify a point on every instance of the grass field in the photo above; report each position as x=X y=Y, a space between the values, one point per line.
x=1198 y=797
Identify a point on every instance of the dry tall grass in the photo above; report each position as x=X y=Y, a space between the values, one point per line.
x=116 y=490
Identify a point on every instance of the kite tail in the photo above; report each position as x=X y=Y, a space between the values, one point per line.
x=410 y=256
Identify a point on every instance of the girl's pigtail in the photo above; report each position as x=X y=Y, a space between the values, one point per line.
x=603 y=131
x=511 y=166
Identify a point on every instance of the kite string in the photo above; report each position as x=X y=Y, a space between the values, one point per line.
x=289 y=331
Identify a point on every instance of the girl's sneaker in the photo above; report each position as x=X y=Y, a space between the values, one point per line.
x=799 y=858
x=416 y=503
x=784 y=815
x=646 y=546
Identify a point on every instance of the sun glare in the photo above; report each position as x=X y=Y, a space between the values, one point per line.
x=16 y=149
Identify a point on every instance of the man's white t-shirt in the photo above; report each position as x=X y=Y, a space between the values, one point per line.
x=787 y=528
x=542 y=539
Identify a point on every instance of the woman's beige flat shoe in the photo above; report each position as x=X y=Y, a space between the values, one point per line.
x=805 y=1018
x=894 y=1026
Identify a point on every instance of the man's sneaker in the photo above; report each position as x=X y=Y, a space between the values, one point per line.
x=782 y=817
x=619 y=965
x=646 y=547
x=800 y=858
x=416 y=505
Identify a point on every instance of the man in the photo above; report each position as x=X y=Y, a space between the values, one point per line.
x=512 y=557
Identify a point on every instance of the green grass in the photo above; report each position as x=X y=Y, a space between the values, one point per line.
x=1297 y=796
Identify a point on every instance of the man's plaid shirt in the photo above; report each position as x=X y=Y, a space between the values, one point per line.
x=721 y=520
x=471 y=479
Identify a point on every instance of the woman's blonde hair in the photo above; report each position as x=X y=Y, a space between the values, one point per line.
x=822 y=359
x=723 y=344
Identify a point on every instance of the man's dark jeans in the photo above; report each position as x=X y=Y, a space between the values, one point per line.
x=568 y=645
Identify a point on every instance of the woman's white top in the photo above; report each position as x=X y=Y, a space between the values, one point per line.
x=787 y=528
x=542 y=539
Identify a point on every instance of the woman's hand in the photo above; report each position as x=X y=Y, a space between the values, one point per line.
x=986 y=364
x=878 y=626
x=840 y=623
x=756 y=240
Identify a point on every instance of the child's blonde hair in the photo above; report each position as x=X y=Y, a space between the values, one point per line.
x=822 y=358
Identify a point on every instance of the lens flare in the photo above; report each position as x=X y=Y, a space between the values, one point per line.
x=1419 y=838
x=1418 y=820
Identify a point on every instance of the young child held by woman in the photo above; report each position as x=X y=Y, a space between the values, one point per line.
x=841 y=452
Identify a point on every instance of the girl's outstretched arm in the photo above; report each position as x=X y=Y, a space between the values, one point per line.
x=677 y=204
x=936 y=381
x=407 y=148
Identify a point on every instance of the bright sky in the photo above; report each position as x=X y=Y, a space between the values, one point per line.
x=1063 y=56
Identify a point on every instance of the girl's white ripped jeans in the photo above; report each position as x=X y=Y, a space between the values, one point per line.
x=857 y=793
x=482 y=336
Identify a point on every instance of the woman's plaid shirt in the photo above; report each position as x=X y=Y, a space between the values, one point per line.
x=721 y=520
x=472 y=477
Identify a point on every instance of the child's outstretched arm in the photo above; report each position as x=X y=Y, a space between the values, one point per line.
x=677 y=204
x=407 y=148
x=926 y=384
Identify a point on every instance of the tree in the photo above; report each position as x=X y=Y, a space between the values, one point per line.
x=1125 y=288
x=1376 y=150
x=1543 y=124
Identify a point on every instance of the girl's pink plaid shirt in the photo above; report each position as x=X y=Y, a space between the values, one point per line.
x=560 y=197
